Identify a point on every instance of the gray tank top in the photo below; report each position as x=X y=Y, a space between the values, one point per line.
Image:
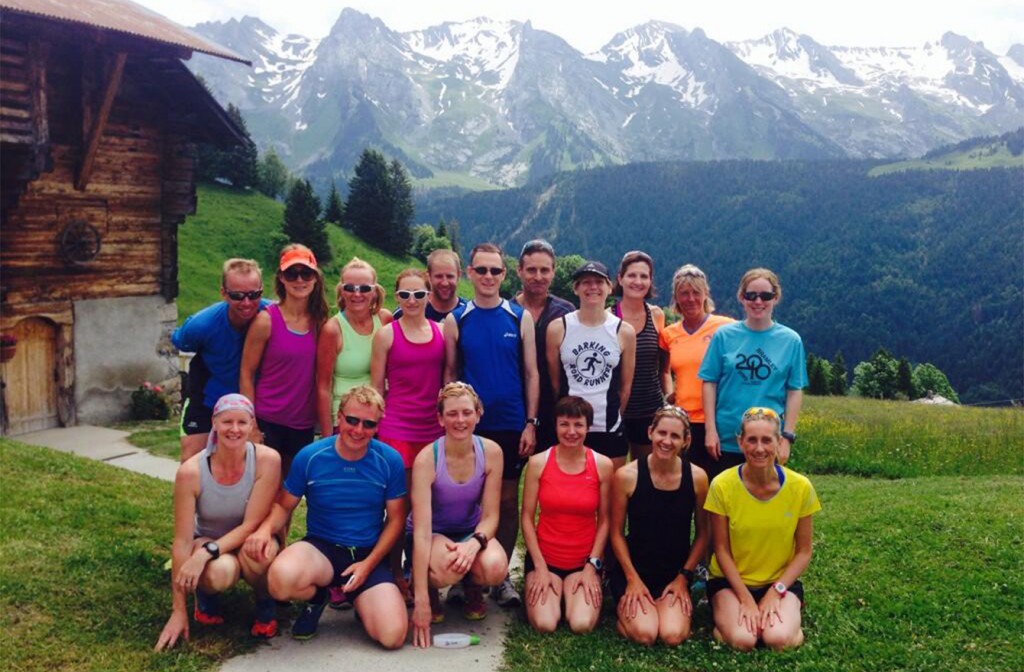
x=221 y=508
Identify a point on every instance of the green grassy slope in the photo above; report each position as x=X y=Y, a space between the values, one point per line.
x=992 y=155
x=232 y=223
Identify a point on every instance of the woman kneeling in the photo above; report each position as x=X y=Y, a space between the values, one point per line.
x=660 y=496
x=571 y=484
x=220 y=496
x=761 y=524
x=456 y=492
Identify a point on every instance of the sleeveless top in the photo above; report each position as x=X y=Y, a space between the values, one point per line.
x=645 y=395
x=414 y=375
x=659 y=524
x=221 y=508
x=568 y=512
x=352 y=367
x=490 y=352
x=286 y=380
x=591 y=363
x=455 y=507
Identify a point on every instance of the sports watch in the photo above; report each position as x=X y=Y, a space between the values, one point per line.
x=595 y=563
x=213 y=549
x=533 y=421
x=780 y=588
x=789 y=436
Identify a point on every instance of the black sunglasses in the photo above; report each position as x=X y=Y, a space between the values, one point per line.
x=292 y=274
x=241 y=296
x=357 y=289
x=753 y=296
x=353 y=421
x=484 y=270
x=404 y=294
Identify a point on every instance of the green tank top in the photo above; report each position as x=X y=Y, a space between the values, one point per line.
x=352 y=367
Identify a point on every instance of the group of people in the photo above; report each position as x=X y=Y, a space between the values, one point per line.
x=443 y=403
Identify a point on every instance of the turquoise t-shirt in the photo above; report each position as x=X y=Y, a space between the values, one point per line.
x=751 y=368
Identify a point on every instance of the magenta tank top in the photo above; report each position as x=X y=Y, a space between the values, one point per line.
x=286 y=380
x=413 y=373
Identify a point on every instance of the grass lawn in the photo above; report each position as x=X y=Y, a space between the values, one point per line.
x=233 y=223
x=160 y=437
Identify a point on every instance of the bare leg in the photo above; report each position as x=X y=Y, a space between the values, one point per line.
x=508 y=517
x=582 y=617
x=788 y=634
x=641 y=628
x=382 y=611
x=546 y=613
x=191 y=444
x=673 y=624
x=298 y=571
x=728 y=628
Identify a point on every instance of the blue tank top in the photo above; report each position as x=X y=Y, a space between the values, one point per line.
x=491 y=360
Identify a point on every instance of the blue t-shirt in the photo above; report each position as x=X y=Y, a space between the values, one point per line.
x=434 y=314
x=491 y=360
x=346 y=499
x=209 y=332
x=751 y=368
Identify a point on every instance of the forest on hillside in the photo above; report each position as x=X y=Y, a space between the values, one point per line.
x=928 y=264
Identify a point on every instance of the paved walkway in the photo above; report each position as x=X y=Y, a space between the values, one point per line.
x=341 y=643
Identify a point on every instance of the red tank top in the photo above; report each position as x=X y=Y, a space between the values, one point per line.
x=568 y=512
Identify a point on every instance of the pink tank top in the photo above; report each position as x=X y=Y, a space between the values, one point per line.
x=568 y=512
x=286 y=379
x=414 y=372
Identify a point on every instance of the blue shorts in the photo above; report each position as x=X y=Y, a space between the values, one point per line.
x=341 y=557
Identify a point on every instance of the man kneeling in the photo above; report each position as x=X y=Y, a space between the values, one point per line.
x=350 y=481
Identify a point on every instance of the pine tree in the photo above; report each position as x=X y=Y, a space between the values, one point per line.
x=442 y=229
x=838 y=376
x=368 y=211
x=335 y=212
x=302 y=221
x=905 y=380
x=240 y=163
x=818 y=378
x=272 y=175
x=403 y=210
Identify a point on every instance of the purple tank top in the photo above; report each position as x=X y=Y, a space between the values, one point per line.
x=414 y=372
x=286 y=380
x=455 y=507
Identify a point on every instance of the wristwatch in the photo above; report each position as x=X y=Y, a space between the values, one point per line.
x=689 y=575
x=789 y=436
x=213 y=549
x=595 y=563
x=533 y=421
x=780 y=588
x=480 y=539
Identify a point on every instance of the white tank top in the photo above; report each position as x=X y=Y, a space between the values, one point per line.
x=591 y=360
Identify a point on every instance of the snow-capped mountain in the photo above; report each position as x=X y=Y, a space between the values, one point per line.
x=504 y=103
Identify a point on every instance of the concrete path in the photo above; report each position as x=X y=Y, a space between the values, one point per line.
x=341 y=643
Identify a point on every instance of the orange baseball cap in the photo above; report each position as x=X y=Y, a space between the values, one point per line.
x=297 y=255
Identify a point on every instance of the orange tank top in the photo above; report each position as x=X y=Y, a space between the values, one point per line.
x=568 y=512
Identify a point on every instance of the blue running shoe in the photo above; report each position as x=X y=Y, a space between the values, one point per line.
x=306 y=624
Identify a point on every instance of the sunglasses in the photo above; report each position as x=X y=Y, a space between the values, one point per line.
x=760 y=410
x=357 y=289
x=353 y=421
x=292 y=274
x=536 y=246
x=241 y=296
x=406 y=294
x=753 y=296
x=484 y=270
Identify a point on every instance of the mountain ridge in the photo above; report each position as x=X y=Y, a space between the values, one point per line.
x=507 y=103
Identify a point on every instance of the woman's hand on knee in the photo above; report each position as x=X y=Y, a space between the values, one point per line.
x=677 y=592
x=636 y=597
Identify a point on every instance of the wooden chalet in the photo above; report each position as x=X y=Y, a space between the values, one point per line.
x=99 y=122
